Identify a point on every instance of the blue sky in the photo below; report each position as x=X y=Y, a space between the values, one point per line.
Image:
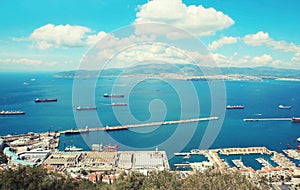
x=35 y=35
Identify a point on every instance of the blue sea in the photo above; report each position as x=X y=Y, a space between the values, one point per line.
x=151 y=100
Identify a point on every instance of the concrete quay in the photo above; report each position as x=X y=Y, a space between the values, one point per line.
x=124 y=127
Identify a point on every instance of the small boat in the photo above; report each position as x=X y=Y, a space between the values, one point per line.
x=284 y=107
x=298 y=139
x=187 y=156
x=235 y=107
x=85 y=108
x=72 y=149
x=45 y=100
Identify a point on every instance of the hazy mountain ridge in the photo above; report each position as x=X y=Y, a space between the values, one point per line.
x=185 y=70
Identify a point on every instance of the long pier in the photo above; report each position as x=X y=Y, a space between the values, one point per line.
x=123 y=127
x=267 y=119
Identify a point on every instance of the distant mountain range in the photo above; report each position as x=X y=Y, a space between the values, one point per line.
x=184 y=70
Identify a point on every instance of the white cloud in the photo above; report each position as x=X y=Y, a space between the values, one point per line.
x=92 y=39
x=197 y=20
x=114 y=52
x=257 y=39
x=262 y=38
x=49 y=35
x=153 y=52
x=264 y=59
x=222 y=59
x=223 y=41
x=249 y=61
x=27 y=61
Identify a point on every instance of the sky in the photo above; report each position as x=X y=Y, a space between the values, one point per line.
x=55 y=35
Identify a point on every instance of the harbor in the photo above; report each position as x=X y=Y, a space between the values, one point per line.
x=270 y=163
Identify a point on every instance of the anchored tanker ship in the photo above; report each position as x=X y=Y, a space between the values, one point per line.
x=235 y=107
x=113 y=95
x=119 y=104
x=45 y=100
x=85 y=108
x=296 y=119
x=11 y=112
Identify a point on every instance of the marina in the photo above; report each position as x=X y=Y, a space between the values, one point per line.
x=264 y=162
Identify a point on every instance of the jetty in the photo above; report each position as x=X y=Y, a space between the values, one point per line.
x=238 y=163
x=124 y=127
x=267 y=119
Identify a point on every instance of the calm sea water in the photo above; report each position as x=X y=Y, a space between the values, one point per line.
x=260 y=99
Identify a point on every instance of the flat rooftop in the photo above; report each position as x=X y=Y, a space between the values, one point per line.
x=134 y=160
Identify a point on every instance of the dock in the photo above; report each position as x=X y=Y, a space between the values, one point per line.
x=267 y=119
x=238 y=163
x=124 y=127
x=249 y=150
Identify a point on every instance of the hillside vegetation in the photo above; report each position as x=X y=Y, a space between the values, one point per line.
x=37 y=178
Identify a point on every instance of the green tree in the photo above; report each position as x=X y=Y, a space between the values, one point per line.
x=33 y=178
x=162 y=180
x=216 y=180
x=3 y=159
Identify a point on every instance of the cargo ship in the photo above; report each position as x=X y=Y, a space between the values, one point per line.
x=235 y=107
x=85 y=108
x=45 y=100
x=11 y=112
x=296 y=119
x=119 y=104
x=284 y=107
x=106 y=148
x=113 y=95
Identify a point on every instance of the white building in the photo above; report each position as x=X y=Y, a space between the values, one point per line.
x=1 y=144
